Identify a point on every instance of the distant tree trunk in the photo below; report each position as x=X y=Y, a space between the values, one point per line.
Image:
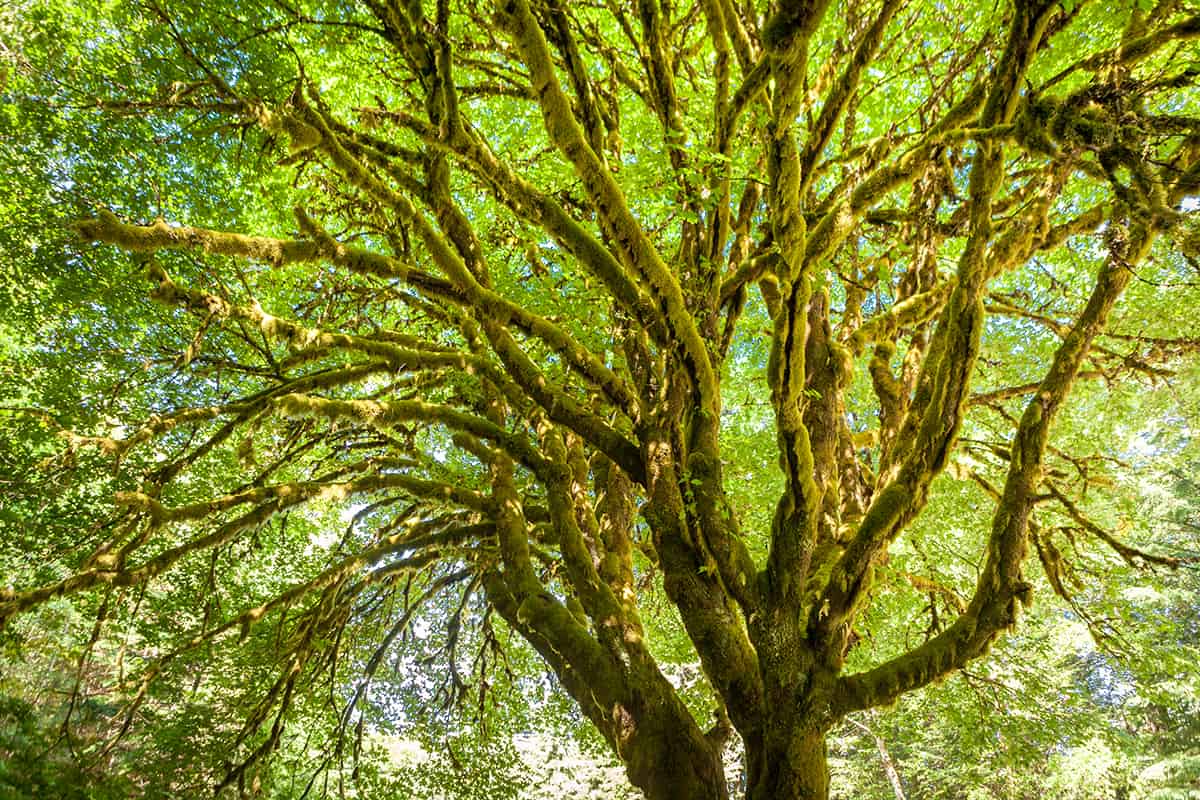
x=889 y=767
x=885 y=756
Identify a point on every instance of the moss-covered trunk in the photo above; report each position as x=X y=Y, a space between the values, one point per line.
x=674 y=768
x=666 y=754
x=788 y=765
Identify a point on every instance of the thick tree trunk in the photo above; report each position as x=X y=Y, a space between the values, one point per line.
x=789 y=767
x=676 y=770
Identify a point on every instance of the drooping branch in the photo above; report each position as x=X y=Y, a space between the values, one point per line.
x=108 y=565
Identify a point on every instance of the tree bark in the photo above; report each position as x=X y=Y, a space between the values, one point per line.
x=674 y=768
x=798 y=770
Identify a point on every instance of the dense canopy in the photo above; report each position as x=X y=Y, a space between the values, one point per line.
x=742 y=368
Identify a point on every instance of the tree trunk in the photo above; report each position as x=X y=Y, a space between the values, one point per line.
x=789 y=767
x=675 y=768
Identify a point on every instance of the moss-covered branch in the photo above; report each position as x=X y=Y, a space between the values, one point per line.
x=933 y=418
x=622 y=228
x=160 y=235
x=842 y=92
x=386 y=414
x=1001 y=587
x=911 y=311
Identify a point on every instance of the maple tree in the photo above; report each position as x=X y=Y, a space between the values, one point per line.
x=541 y=250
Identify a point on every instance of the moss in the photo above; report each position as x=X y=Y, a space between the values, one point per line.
x=621 y=226
x=159 y=235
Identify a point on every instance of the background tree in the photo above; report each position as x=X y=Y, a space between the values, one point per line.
x=556 y=280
